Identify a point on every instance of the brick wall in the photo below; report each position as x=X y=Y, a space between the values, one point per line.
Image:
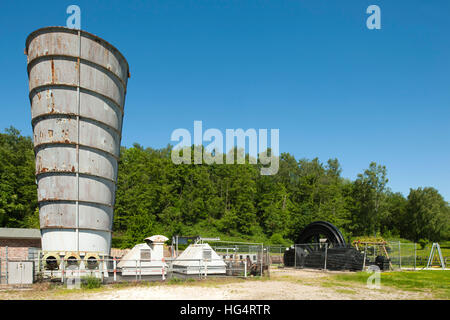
x=17 y=250
x=119 y=253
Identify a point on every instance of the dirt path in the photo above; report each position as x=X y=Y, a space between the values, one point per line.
x=283 y=284
x=255 y=290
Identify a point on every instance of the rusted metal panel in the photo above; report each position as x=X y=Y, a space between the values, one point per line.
x=64 y=42
x=55 y=187
x=63 y=100
x=64 y=130
x=63 y=215
x=56 y=70
x=62 y=158
x=77 y=85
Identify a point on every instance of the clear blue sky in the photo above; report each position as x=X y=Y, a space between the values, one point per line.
x=310 y=68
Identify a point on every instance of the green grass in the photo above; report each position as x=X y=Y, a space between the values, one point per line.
x=90 y=282
x=345 y=291
x=436 y=282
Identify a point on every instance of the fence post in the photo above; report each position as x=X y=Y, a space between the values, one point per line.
x=365 y=253
x=281 y=257
x=62 y=270
x=326 y=252
x=115 y=266
x=262 y=259
x=245 y=269
x=136 y=270
x=295 y=256
x=6 y=265
x=77 y=274
x=415 y=256
x=399 y=256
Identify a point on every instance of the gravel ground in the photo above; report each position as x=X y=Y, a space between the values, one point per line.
x=284 y=284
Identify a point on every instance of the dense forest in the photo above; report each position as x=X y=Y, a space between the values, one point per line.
x=234 y=201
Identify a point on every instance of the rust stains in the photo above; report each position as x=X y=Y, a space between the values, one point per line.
x=73 y=169
x=50 y=133
x=52 y=102
x=58 y=42
x=53 y=72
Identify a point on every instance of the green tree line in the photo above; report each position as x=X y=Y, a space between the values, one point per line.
x=155 y=195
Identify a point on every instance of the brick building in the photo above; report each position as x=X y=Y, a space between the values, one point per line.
x=18 y=244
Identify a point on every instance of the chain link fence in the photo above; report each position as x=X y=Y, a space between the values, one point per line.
x=234 y=260
x=323 y=256
x=276 y=255
x=393 y=255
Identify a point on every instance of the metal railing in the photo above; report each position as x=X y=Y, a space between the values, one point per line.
x=113 y=270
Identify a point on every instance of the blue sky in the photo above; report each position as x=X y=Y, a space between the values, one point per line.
x=308 y=68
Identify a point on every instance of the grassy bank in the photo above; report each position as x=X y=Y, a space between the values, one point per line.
x=436 y=282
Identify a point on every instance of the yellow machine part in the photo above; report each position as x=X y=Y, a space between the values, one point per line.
x=89 y=260
x=68 y=258
x=54 y=256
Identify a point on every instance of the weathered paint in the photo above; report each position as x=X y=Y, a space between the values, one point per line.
x=77 y=85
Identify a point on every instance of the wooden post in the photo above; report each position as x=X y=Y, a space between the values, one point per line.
x=387 y=255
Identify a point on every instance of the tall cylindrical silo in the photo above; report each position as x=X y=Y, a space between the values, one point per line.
x=77 y=93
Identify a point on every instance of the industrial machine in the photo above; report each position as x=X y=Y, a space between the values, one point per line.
x=321 y=245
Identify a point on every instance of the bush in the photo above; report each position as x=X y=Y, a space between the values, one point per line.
x=277 y=239
x=175 y=281
x=90 y=282
x=423 y=243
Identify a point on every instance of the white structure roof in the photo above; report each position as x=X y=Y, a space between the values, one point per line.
x=157 y=239
x=19 y=233
x=196 y=254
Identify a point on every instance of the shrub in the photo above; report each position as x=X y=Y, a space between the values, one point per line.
x=90 y=282
x=277 y=239
x=423 y=243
